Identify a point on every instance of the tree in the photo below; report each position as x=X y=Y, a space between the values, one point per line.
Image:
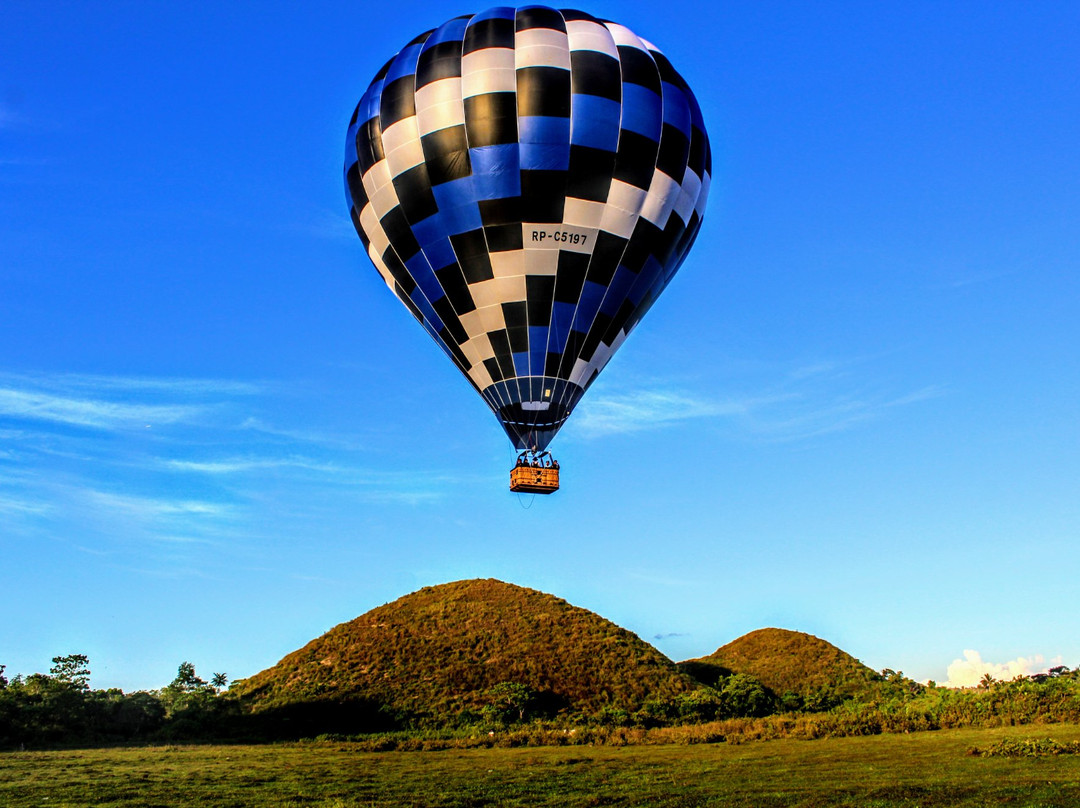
x=744 y=695
x=72 y=670
x=510 y=701
x=219 y=681
x=187 y=695
x=137 y=714
x=186 y=680
x=698 y=705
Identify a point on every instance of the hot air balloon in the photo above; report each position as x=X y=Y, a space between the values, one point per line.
x=527 y=181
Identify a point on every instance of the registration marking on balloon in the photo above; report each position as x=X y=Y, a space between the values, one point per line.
x=558 y=237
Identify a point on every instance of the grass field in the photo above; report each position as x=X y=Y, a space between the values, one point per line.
x=923 y=769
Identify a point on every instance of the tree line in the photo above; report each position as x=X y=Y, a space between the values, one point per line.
x=61 y=709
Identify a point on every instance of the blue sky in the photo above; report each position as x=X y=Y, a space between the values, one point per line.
x=853 y=413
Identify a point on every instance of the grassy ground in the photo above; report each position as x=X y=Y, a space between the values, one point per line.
x=925 y=769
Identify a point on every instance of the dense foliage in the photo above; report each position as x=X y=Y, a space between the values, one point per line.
x=60 y=709
x=804 y=671
x=432 y=658
x=482 y=663
x=1027 y=747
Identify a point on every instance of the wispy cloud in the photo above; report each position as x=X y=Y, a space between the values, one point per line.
x=22 y=161
x=779 y=417
x=974 y=279
x=327 y=224
x=132 y=384
x=810 y=416
x=379 y=486
x=404 y=496
x=88 y=412
x=816 y=369
x=153 y=508
x=214 y=471
x=650 y=409
x=916 y=396
x=338 y=441
x=243 y=465
x=113 y=402
x=18 y=506
x=8 y=117
x=970 y=670
x=793 y=403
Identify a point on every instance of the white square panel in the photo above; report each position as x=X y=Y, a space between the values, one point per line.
x=507 y=264
x=585 y=35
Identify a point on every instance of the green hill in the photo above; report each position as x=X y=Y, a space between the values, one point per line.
x=787 y=662
x=434 y=655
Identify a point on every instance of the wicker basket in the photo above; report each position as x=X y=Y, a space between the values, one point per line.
x=534 y=479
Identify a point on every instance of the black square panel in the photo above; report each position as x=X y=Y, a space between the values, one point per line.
x=595 y=73
x=446 y=153
x=503 y=237
x=398 y=101
x=471 y=249
x=491 y=119
x=543 y=91
x=414 y=192
x=539 y=17
x=543 y=195
x=515 y=314
x=590 y=173
x=636 y=160
x=490 y=33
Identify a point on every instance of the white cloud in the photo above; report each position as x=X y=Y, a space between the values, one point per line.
x=88 y=412
x=8 y=118
x=171 y=385
x=816 y=369
x=973 y=279
x=181 y=539
x=151 y=508
x=648 y=409
x=970 y=670
x=102 y=384
x=327 y=224
x=22 y=507
x=924 y=394
x=110 y=402
x=240 y=465
x=403 y=497
x=302 y=436
x=777 y=404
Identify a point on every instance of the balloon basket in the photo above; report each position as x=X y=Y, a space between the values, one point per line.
x=534 y=479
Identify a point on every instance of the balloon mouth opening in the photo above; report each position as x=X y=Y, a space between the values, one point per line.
x=532 y=409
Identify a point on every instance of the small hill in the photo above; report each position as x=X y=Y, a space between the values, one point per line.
x=434 y=654
x=786 y=662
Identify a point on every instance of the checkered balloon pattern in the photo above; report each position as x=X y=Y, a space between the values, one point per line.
x=527 y=181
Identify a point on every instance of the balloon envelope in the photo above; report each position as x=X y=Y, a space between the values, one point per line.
x=527 y=181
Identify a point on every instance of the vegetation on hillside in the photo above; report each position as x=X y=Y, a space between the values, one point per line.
x=435 y=656
x=801 y=670
x=481 y=663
